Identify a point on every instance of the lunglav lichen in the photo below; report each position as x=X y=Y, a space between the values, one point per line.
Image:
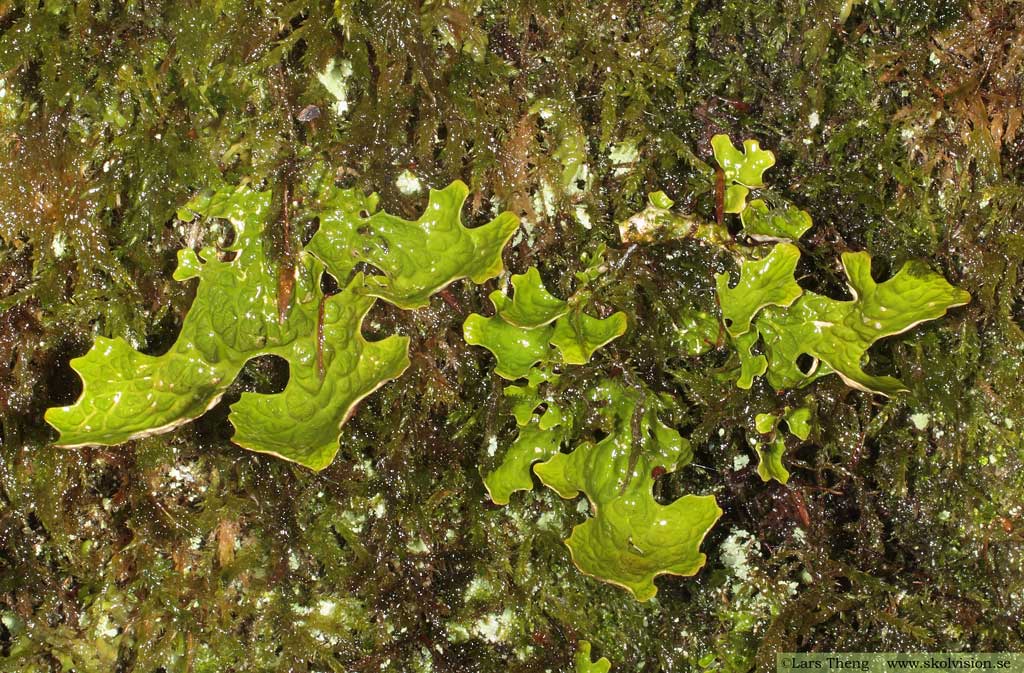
x=771 y=320
x=630 y=538
x=243 y=309
x=583 y=663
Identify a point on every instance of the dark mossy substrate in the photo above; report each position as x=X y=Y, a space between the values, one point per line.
x=898 y=128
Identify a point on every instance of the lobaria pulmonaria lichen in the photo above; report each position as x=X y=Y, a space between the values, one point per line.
x=243 y=309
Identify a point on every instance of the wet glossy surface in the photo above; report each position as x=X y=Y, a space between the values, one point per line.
x=897 y=127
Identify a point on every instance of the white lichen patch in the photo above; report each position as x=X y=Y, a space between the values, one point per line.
x=335 y=79
x=920 y=420
x=379 y=508
x=418 y=546
x=550 y=520
x=478 y=588
x=58 y=245
x=583 y=217
x=493 y=628
x=735 y=551
x=623 y=156
x=354 y=520
x=407 y=183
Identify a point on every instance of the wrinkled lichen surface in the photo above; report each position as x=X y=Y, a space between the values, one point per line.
x=896 y=125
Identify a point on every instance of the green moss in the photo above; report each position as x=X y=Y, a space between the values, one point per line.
x=892 y=127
